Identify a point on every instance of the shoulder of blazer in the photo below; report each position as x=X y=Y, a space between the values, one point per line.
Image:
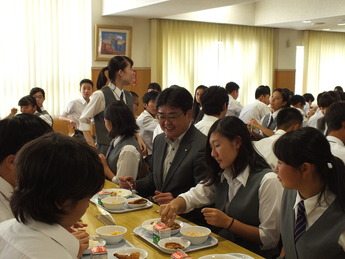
x=194 y=135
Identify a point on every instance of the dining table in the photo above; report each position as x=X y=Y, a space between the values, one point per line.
x=133 y=219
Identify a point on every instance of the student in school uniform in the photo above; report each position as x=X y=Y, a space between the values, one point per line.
x=313 y=204
x=120 y=74
x=40 y=96
x=55 y=183
x=234 y=108
x=246 y=192
x=29 y=105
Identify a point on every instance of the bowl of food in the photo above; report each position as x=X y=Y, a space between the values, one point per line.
x=111 y=234
x=196 y=234
x=113 y=202
x=175 y=228
x=133 y=252
x=172 y=244
x=136 y=202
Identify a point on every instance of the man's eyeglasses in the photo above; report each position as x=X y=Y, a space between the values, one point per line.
x=169 y=117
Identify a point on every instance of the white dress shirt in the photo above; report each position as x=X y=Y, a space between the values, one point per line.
x=256 y=110
x=74 y=109
x=314 y=210
x=270 y=193
x=95 y=106
x=128 y=162
x=206 y=123
x=5 y=194
x=337 y=147
x=44 y=117
x=158 y=130
x=36 y=240
x=234 y=107
x=312 y=122
x=265 y=147
x=147 y=125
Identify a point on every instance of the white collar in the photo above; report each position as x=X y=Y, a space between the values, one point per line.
x=279 y=132
x=242 y=177
x=6 y=188
x=335 y=140
x=115 y=89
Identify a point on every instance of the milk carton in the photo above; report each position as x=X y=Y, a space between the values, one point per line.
x=160 y=231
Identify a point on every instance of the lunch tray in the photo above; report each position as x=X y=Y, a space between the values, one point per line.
x=112 y=248
x=94 y=199
x=147 y=236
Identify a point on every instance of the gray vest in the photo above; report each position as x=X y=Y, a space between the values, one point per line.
x=244 y=207
x=114 y=152
x=320 y=240
x=265 y=122
x=101 y=132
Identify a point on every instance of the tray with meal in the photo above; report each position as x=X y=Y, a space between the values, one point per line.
x=183 y=236
x=120 y=201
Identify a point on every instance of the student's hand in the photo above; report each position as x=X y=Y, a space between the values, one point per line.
x=168 y=213
x=253 y=122
x=14 y=111
x=162 y=197
x=216 y=217
x=83 y=238
x=79 y=224
x=141 y=143
x=103 y=159
x=127 y=182
x=73 y=124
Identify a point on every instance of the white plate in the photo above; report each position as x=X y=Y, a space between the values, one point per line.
x=241 y=256
x=218 y=256
x=182 y=241
x=93 y=243
x=148 y=225
x=129 y=250
x=117 y=192
x=135 y=205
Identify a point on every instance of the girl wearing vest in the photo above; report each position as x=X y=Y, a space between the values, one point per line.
x=246 y=194
x=280 y=99
x=123 y=156
x=313 y=203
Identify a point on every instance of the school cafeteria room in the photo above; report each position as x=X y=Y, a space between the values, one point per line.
x=172 y=129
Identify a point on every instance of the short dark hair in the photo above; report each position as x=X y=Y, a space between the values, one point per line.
x=213 y=100
x=231 y=128
x=85 y=81
x=231 y=86
x=29 y=100
x=262 y=90
x=286 y=94
x=338 y=88
x=51 y=170
x=154 y=86
x=308 y=97
x=288 y=117
x=18 y=130
x=328 y=98
x=296 y=99
x=335 y=116
x=177 y=97
x=150 y=96
x=121 y=118
x=37 y=90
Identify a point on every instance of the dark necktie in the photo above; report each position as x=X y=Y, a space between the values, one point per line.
x=270 y=120
x=301 y=221
x=121 y=96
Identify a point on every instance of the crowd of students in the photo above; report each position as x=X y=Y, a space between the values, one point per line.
x=252 y=174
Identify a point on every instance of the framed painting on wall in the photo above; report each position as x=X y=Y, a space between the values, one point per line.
x=112 y=41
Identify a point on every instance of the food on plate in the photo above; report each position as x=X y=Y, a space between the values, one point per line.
x=138 y=201
x=174 y=245
x=135 y=255
x=175 y=226
x=116 y=202
x=193 y=234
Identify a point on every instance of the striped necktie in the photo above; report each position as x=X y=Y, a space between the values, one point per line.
x=301 y=221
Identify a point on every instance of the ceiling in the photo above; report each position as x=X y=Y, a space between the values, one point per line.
x=290 y=14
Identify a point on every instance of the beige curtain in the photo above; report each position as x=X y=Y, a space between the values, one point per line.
x=191 y=53
x=47 y=44
x=324 y=61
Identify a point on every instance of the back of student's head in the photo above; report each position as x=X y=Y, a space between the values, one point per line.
x=115 y=64
x=233 y=129
x=18 y=130
x=335 y=116
x=177 y=97
x=308 y=97
x=150 y=96
x=213 y=100
x=29 y=100
x=36 y=90
x=121 y=118
x=51 y=171
x=154 y=87
x=231 y=86
x=309 y=145
x=296 y=99
x=85 y=81
x=338 y=88
x=328 y=98
x=262 y=90
x=288 y=117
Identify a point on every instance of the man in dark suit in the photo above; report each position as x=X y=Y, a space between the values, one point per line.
x=178 y=154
